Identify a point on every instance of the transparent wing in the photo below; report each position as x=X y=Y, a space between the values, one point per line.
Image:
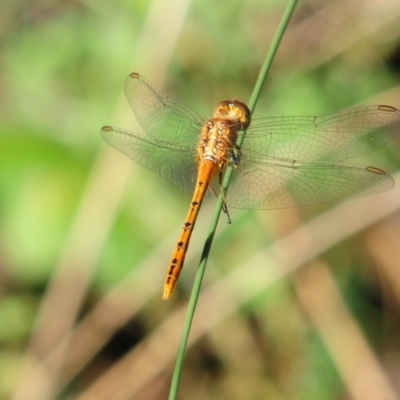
x=284 y=184
x=287 y=161
x=172 y=162
x=333 y=137
x=172 y=130
x=162 y=118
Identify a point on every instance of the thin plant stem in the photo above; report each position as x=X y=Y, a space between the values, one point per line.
x=214 y=221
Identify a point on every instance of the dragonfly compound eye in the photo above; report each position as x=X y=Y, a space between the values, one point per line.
x=244 y=112
x=235 y=111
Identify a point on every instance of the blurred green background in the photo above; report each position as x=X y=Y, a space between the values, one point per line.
x=85 y=235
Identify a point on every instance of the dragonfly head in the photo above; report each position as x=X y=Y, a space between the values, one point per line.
x=235 y=111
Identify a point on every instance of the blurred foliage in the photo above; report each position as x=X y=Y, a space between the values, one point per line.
x=62 y=70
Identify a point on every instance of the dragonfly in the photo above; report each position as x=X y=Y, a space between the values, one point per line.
x=284 y=162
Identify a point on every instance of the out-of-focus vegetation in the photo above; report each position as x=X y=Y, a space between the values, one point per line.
x=84 y=246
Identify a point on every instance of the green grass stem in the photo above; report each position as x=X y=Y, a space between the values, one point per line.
x=214 y=221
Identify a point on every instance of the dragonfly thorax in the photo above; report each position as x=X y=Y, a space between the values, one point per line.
x=217 y=141
x=234 y=111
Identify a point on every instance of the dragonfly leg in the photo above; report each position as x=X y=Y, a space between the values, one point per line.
x=236 y=156
x=224 y=204
x=226 y=211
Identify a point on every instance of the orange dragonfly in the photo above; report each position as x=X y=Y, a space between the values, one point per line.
x=284 y=161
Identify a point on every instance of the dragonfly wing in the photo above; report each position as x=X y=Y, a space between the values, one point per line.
x=162 y=118
x=284 y=184
x=172 y=162
x=333 y=138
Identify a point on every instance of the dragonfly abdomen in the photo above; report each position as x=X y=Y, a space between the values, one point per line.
x=205 y=174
